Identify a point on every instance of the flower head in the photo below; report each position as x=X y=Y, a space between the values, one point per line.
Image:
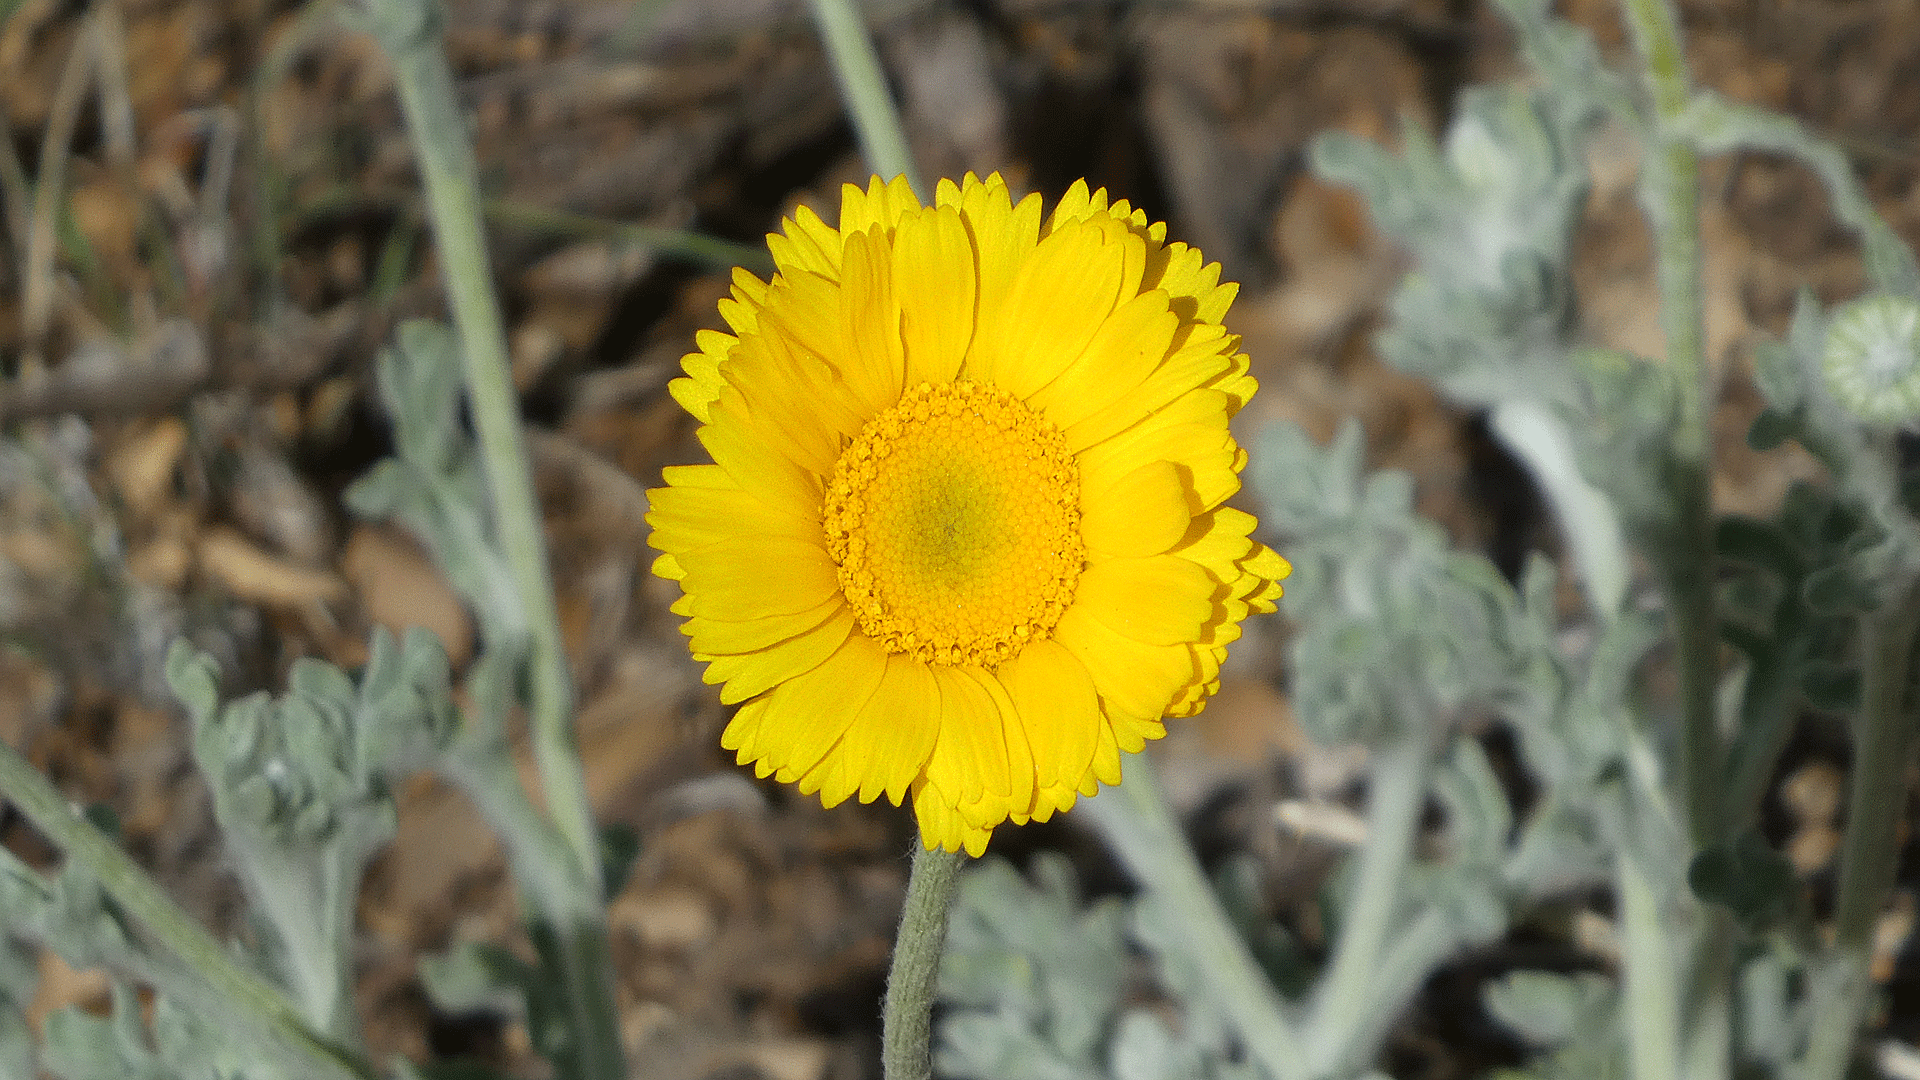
x=964 y=535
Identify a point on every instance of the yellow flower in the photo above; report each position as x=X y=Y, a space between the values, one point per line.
x=963 y=536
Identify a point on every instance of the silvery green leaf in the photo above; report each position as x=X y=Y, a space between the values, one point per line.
x=471 y=977
x=1550 y=1011
x=999 y=1046
x=1489 y=215
x=1559 y=851
x=16 y=1042
x=1034 y=952
x=1478 y=817
x=1567 y=56
x=1144 y=1049
x=19 y=981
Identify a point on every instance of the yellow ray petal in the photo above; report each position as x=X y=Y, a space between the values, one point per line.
x=1059 y=297
x=751 y=674
x=1130 y=344
x=756 y=576
x=1161 y=600
x=684 y=518
x=762 y=470
x=933 y=275
x=1144 y=512
x=1133 y=678
x=712 y=638
x=807 y=713
x=1055 y=697
x=969 y=756
x=873 y=363
x=891 y=739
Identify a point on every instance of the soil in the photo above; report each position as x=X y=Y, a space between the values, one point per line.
x=188 y=392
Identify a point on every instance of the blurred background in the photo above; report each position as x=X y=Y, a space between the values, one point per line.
x=229 y=228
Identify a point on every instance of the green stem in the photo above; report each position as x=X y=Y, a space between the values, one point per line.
x=1671 y=192
x=856 y=66
x=1883 y=748
x=408 y=31
x=1766 y=722
x=482 y=767
x=1140 y=828
x=135 y=892
x=1347 y=999
x=1652 y=982
x=906 y=1033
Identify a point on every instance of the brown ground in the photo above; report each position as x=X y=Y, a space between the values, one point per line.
x=197 y=392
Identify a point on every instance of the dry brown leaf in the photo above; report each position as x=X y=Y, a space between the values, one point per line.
x=399 y=587
x=252 y=574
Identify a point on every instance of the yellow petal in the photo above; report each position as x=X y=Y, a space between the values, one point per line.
x=969 y=756
x=933 y=275
x=756 y=576
x=1054 y=696
x=1059 y=298
x=756 y=467
x=1003 y=236
x=894 y=734
x=1133 y=678
x=809 y=244
x=711 y=638
x=751 y=674
x=880 y=206
x=1162 y=600
x=1144 y=512
x=873 y=362
x=807 y=713
x=684 y=518
x=1130 y=344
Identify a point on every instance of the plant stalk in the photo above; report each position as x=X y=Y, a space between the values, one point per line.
x=1347 y=998
x=408 y=29
x=1671 y=193
x=409 y=32
x=1651 y=989
x=1140 y=828
x=1883 y=749
x=266 y=1007
x=906 y=1031
x=856 y=67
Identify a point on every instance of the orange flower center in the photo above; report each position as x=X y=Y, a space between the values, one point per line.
x=954 y=518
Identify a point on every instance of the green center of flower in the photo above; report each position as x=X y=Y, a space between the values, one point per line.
x=954 y=518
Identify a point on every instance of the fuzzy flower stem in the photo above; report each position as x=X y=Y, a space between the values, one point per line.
x=907 y=1023
x=258 y=1004
x=856 y=67
x=1885 y=731
x=408 y=30
x=1140 y=828
x=1671 y=193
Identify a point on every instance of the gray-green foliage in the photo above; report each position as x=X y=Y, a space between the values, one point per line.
x=1489 y=215
x=301 y=786
x=434 y=483
x=1037 y=983
x=69 y=913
